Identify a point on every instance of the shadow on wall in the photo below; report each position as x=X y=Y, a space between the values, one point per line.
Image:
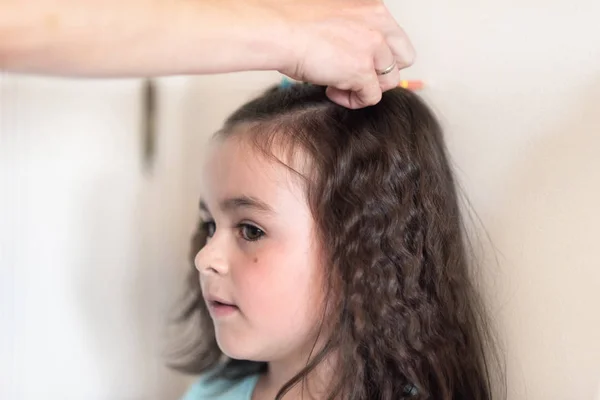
x=549 y=230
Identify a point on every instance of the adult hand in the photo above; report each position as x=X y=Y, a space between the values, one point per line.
x=344 y=44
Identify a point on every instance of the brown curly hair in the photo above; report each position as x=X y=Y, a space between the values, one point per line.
x=407 y=321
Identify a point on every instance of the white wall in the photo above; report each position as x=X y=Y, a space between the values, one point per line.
x=91 y=248
x=517 y=84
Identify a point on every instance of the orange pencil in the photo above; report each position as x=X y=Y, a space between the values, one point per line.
x=411 y=85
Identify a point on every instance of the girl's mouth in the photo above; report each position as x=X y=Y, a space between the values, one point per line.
x=219 y=309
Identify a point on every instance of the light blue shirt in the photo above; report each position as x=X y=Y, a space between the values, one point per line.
x=221 y=389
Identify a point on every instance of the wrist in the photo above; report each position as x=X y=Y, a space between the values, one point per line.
x=231 y=36
x=267 y=34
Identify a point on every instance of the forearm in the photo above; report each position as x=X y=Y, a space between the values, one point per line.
x=140 y=37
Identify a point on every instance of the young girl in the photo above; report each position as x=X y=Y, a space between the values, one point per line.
x=330 y=261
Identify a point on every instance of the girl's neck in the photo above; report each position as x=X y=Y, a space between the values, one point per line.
x=314 y=387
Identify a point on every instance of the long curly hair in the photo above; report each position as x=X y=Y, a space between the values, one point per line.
x=406 y=320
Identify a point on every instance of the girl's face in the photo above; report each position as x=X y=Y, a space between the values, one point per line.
x=261 y=256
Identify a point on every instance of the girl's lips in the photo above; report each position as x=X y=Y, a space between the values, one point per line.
x=219 y=309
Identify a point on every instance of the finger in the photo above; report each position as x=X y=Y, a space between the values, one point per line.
x=341 y=97
x=369 y=95
x=396 y=38
x=401 y=48
x=365 y=95
x=384 y=59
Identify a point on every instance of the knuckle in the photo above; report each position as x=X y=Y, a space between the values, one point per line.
x=364 y=65
x=373 y=100
x=377 y=97
x=376 y=39
x=345 y=85
x=373 y=97
x=406 y=59
x=389 y=85
x=410 y=57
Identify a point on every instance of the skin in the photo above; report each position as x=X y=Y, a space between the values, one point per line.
x=275 y=280
x=336 y=43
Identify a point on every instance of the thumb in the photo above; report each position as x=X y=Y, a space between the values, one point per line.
x=367 y=95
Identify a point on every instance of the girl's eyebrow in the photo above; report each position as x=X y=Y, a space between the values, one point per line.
x=233 y=203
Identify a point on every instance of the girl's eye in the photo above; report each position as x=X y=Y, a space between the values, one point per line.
x=250 y=232
x=209 y=228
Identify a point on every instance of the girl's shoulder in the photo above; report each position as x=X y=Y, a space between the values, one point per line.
x=208 y=387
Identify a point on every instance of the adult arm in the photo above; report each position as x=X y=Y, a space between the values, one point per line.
x=339 y=43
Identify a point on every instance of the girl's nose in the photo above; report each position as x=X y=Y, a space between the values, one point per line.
x=210 y=259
